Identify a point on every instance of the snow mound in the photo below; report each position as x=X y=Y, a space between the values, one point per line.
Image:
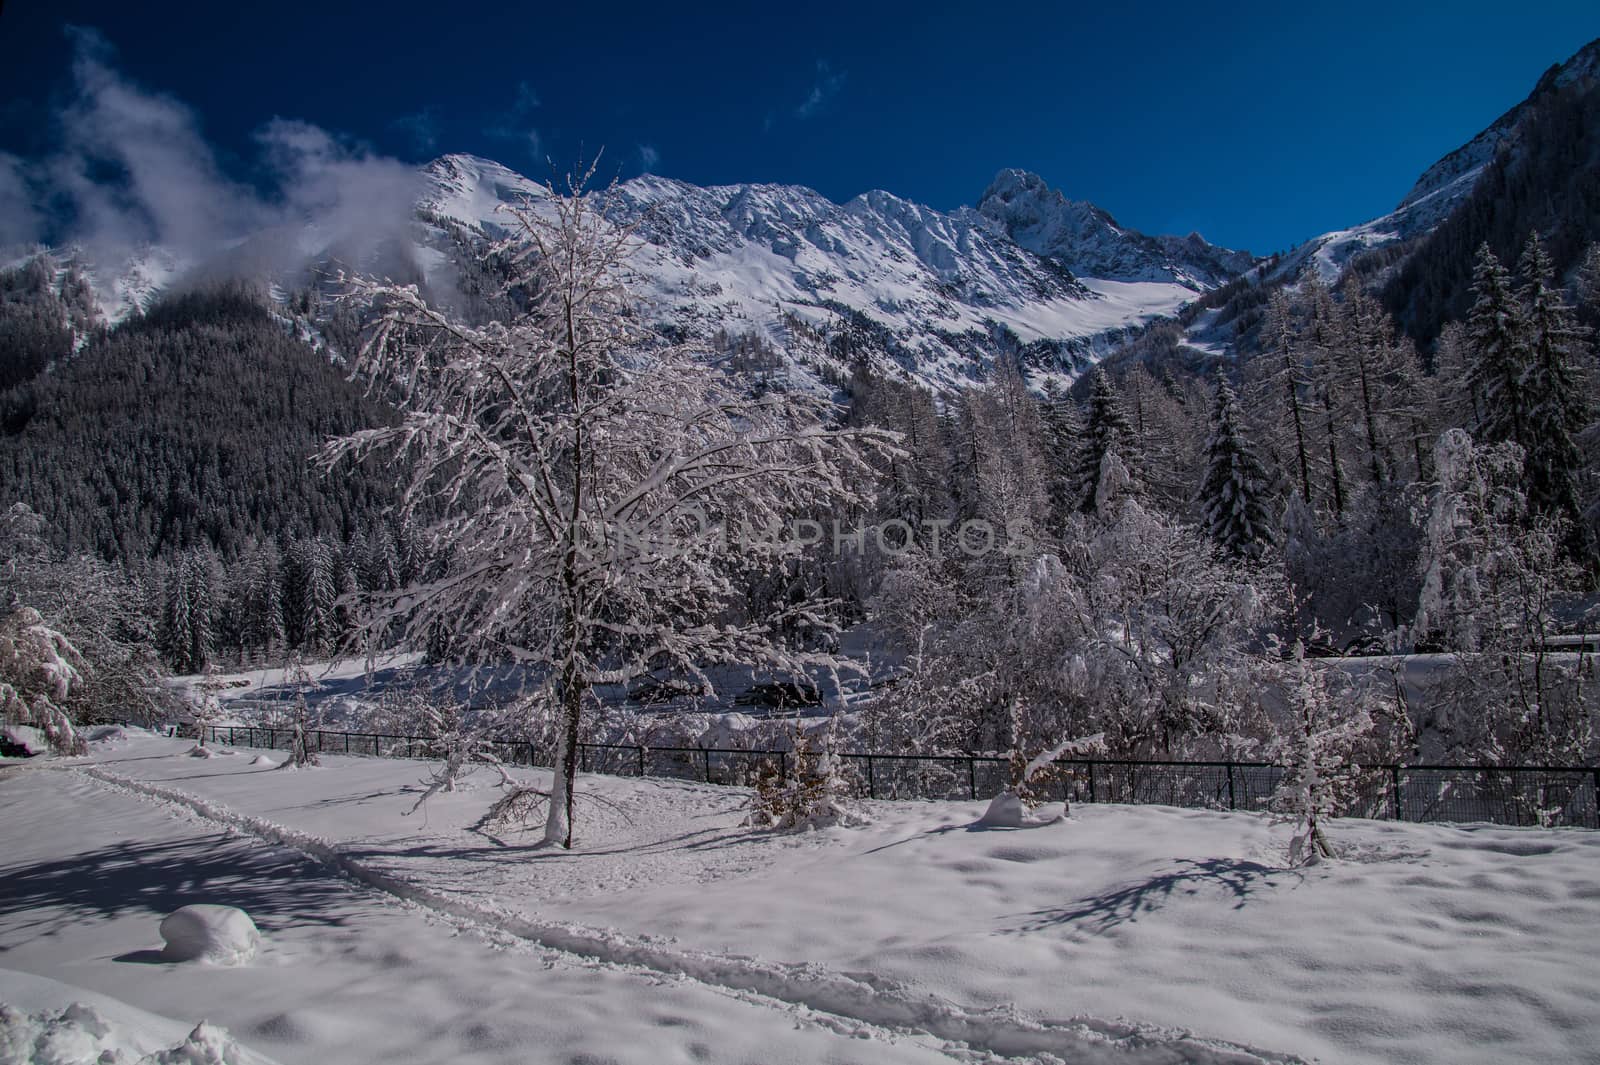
x=1007 y=810
x=222 y=935
x=110 y=735
x=263 y=760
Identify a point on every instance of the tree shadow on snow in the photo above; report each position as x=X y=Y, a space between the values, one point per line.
x=276 y=889
x=1238 y=880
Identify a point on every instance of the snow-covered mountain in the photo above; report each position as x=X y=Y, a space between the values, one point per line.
x=1089 y=242
x=944 y=291
x=940 y=293
x=1441 y=189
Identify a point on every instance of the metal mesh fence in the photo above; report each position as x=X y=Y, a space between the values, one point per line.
x=1505 y=795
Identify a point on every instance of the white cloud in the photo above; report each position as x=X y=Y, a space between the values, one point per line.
x=827 y=86
x=132 y=168
x=649 y=158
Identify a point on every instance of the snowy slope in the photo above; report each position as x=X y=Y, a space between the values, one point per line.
x=361 y=964
x=1440 y=189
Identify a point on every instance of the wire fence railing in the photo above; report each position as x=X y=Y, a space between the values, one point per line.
x=1504 y=795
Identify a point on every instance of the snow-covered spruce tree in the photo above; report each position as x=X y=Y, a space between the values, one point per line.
x=1317 y=746
x=1559 y=407
x=188 y=621
x=260 y=602
x=1061 y=433
x=39 y=668
x=589 y=474
x=1234 y=494
x=1107 y=431
x=308 y=608
x=811 y=790
x=1497 y=329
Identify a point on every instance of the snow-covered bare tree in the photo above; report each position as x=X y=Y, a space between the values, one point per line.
x=1493 y=575
x=39 y=668
x=299 y=718
x=103 y=611
x=593 y=479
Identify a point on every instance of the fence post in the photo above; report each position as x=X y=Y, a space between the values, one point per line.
x=783 y=765
x=972 y=777
x=583 y=758
x=230 y=736
x=1233 y=803
x=1394 y=780
x=1092 y=795
x=872 y=784
x=347 y=743
x=641 y=760
x=707 y=753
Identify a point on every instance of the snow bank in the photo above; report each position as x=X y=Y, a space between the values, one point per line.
x=109 y=735
x=222 y=935
x=26 y=738
x=44 y=1022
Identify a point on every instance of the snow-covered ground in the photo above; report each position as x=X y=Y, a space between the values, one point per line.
x=673 y=933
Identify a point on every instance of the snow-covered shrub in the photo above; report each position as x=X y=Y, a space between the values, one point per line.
x=1317 y=745
x=811 y=790
x=460 y=747
x=202 y=706
x=39 y=668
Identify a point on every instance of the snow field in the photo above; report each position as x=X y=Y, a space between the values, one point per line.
x=1429 y=943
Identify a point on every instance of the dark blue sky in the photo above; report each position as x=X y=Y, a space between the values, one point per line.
x=1258 y=126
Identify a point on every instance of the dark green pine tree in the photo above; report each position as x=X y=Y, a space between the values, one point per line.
x=176 y=629
x=187 y=617
x=1556 y=393
x=1497 y=330
x=1106 y=431
x=1061 y=432
x=1233 y=495
x=262 y=608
